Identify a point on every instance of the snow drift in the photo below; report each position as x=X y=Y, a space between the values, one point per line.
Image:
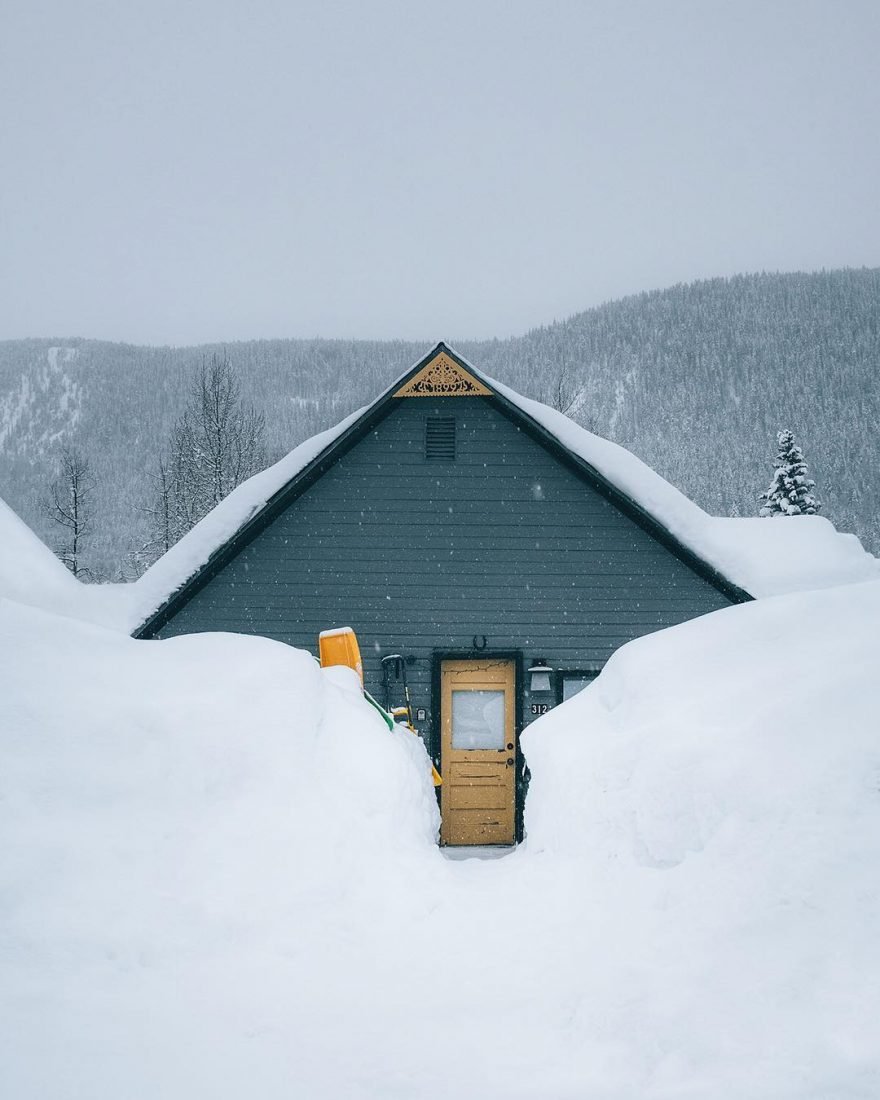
x=166 y=809
x=717 y=791
x=219 y=876
x=29 y=572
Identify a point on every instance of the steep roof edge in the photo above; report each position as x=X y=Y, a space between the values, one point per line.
x=189 y=564
x=683 y=527
x=518 y=408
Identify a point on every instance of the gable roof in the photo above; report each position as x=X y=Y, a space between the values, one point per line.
x=743 y=558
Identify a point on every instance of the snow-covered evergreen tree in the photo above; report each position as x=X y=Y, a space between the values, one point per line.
x=790 y=491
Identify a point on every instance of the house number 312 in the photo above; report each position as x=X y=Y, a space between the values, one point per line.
x=540 y=708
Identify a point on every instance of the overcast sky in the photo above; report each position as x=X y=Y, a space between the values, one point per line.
x=185 y=172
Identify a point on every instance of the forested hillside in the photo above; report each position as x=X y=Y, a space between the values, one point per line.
x=695 y=379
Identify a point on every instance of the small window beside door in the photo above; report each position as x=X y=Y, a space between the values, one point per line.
x=570 y=683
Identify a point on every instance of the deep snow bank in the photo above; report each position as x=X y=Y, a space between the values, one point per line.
x=218 y=877
x=166 y=808
x=718 y=788
x=29 y=572
x=197 y=768
x=761 y=711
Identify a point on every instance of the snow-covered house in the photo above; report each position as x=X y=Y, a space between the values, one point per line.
x=504 y=551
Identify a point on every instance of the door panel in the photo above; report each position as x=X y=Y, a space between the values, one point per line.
x=478 y=754
x=483 y=797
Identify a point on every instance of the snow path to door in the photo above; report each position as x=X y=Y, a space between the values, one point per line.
x=218 y=875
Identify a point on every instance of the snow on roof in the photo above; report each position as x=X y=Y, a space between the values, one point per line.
x=187 y=556
x=763 y=556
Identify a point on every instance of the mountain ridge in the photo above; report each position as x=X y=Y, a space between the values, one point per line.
x=431 y=340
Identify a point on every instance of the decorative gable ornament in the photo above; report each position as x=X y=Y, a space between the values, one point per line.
x=443 y=378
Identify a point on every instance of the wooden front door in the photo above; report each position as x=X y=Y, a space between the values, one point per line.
x=478 y=756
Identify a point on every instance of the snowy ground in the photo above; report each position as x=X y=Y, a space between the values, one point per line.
x=218 y=875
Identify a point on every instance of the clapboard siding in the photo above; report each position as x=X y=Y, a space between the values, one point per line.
x=421 y=556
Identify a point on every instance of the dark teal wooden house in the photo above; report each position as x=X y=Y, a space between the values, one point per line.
x=447 y=524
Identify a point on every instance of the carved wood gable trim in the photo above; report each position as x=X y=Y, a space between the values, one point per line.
x=443 y=378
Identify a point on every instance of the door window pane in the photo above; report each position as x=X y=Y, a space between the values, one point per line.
x=478 y=719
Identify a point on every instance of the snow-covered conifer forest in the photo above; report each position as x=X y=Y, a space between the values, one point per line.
x=696 y=379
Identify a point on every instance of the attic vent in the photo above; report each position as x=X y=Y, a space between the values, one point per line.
x=440 y=439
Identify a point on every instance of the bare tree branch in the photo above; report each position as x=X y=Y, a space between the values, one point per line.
x=69 y=504
x=216 y=444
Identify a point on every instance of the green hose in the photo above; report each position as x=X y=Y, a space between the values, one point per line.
x=388 y=719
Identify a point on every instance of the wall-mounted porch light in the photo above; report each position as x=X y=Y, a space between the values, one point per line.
x=539 y=676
